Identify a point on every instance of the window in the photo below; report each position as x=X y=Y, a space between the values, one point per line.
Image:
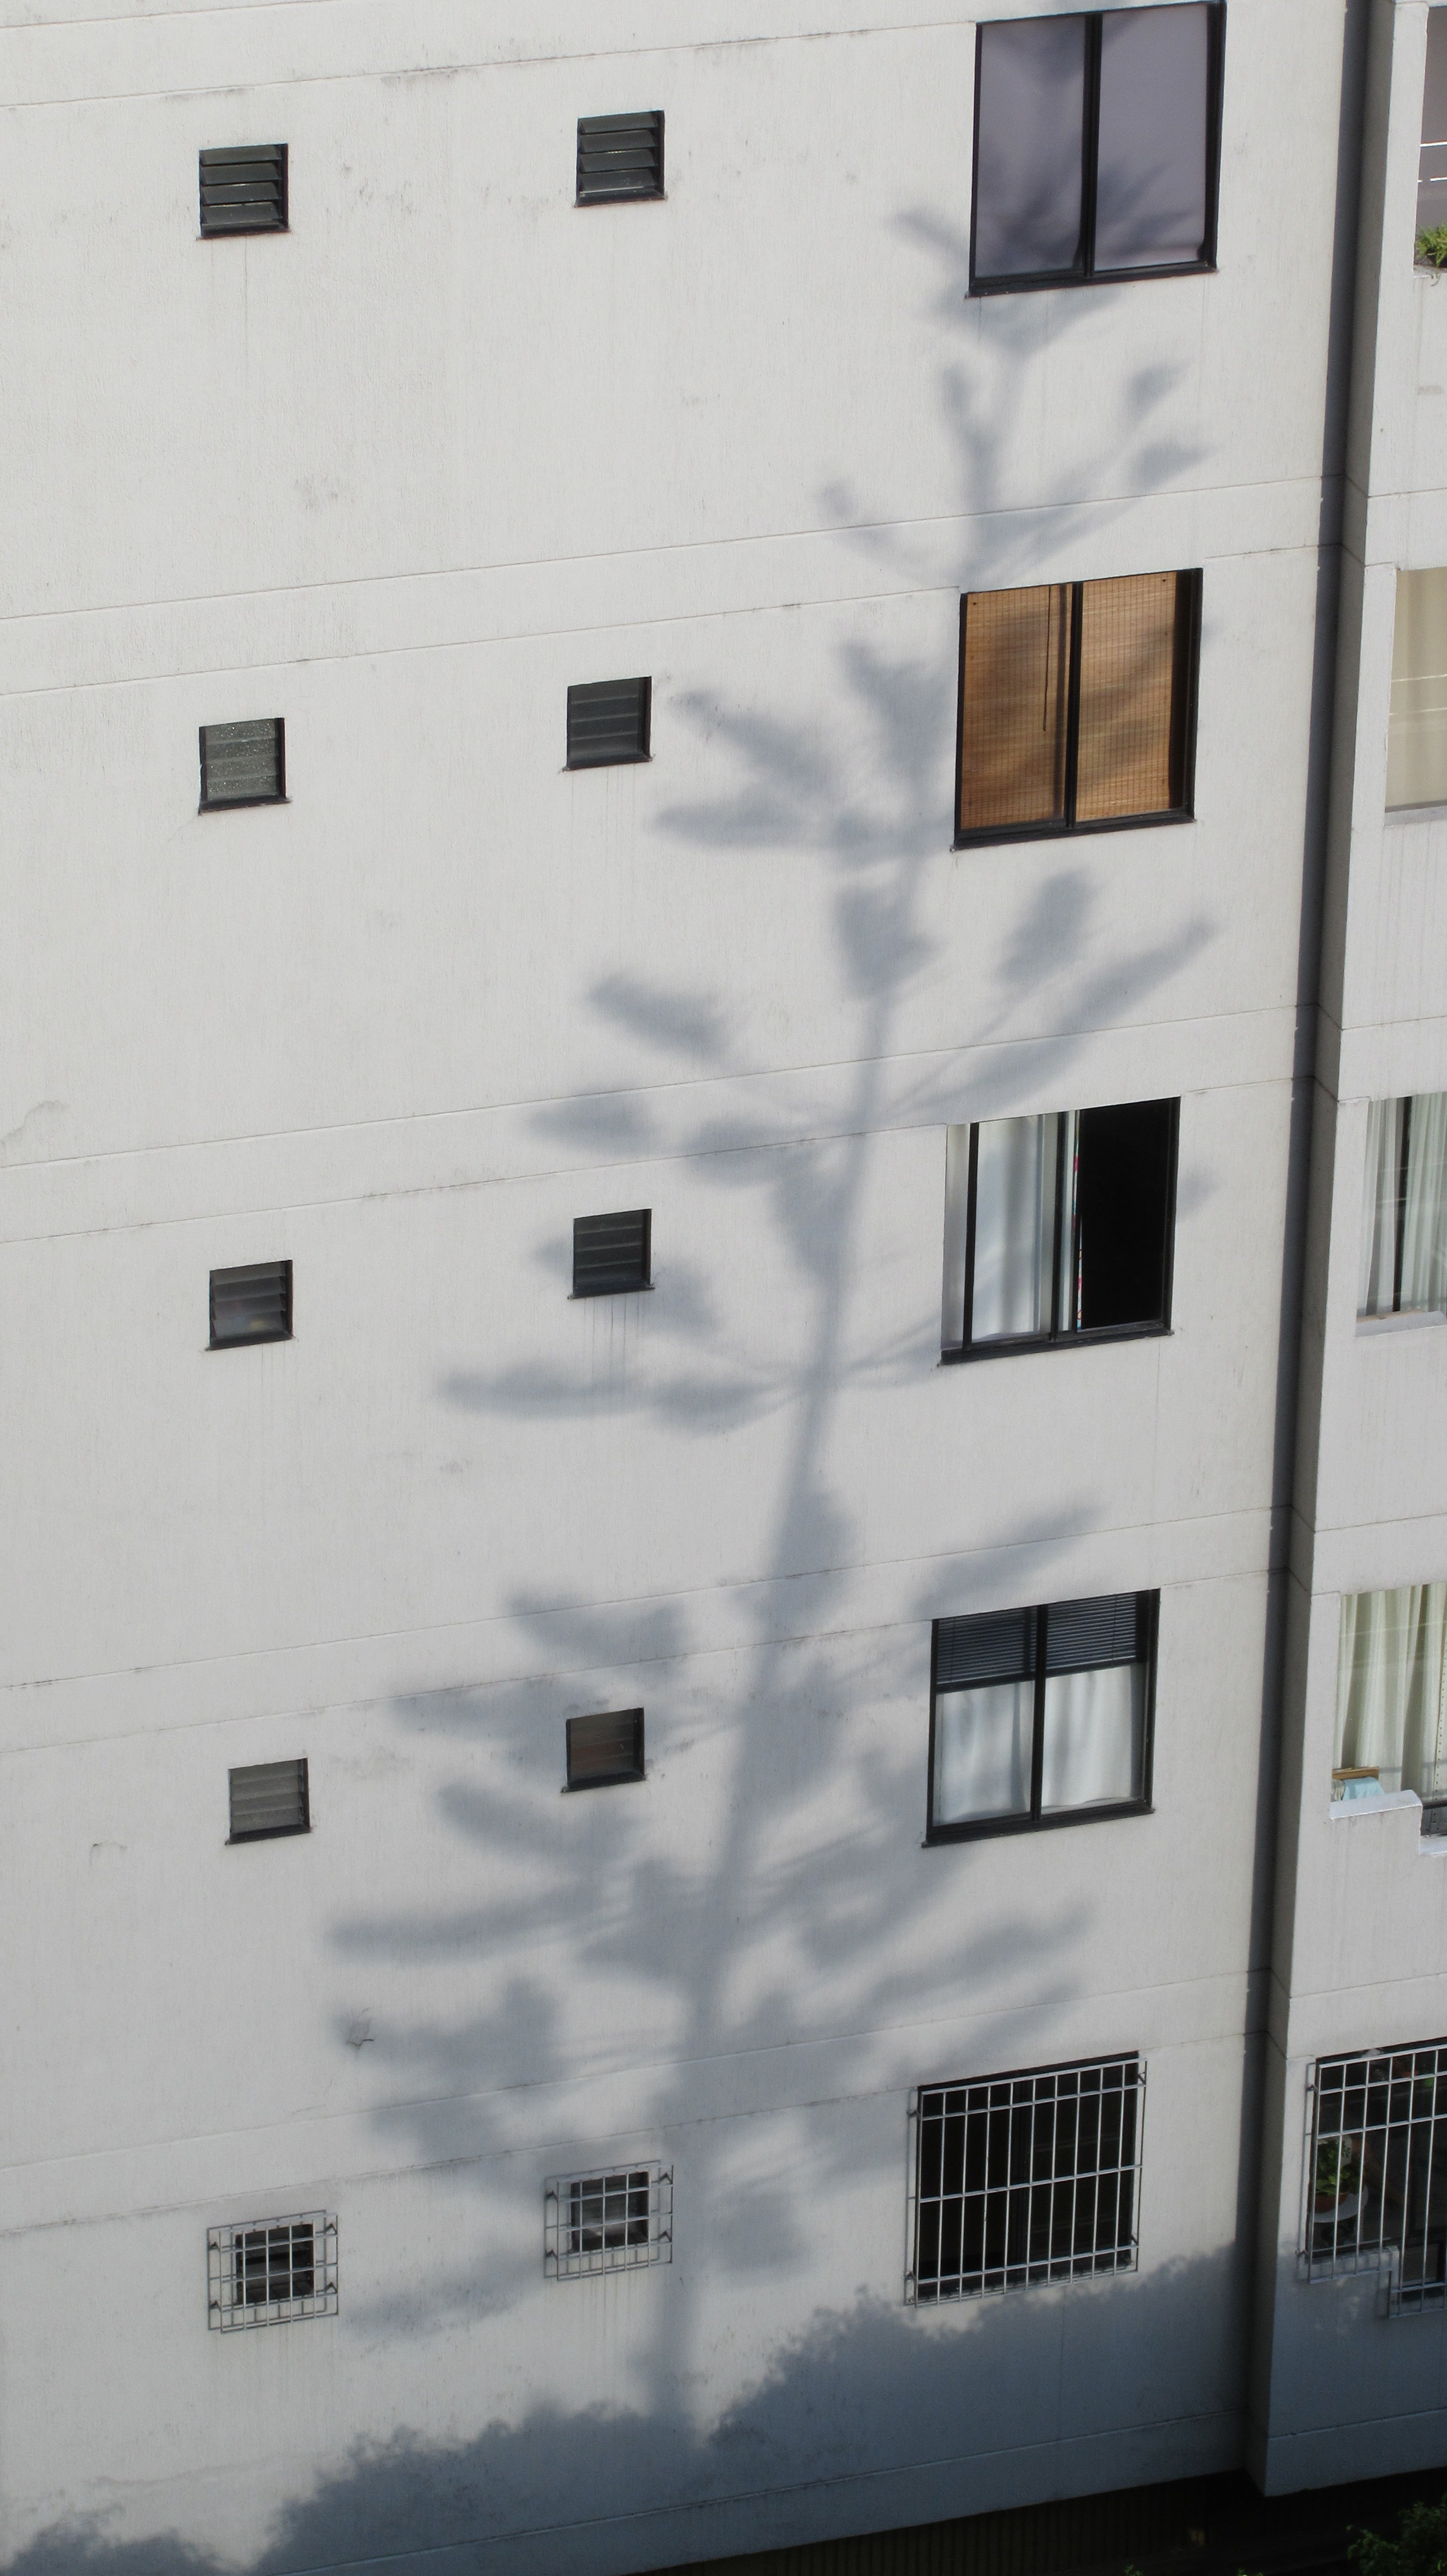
x=1077 y=706
x=620 y=157
x=1029 y=2177
x=607 y=2222
x=1058 y=1229
x=269 y=1798
x=604 y=1750
x=1097 y=143
x=1403 y=1268
x=243 y=764
x=1041 y=1717
x=612 y=1253
x=1432 y=163
x=608 y=723
x=1376 y=2181
x=1417 y=729
x=252 y=1304
x=243 y=190
x=272 y=2271
x=1391 y=1698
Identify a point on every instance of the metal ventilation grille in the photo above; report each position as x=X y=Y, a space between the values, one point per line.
x=243 y=189
x=602 y=1750
x=608 y=722
x=252 y=1304
x=607 y=2222
x=269 y=1798
x=272 y=2271
x=243 y=764
x=620 y=157
x=612 y=1253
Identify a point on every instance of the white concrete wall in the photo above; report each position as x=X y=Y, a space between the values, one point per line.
x=400 y=477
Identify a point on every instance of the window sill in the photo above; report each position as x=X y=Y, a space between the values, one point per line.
x=999 y=836
x=990 y=1828
x=1068 y=277
x=1035 y=1343
x=1417 y=1319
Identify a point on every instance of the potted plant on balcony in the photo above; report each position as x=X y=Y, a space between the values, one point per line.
x=1336 y=2190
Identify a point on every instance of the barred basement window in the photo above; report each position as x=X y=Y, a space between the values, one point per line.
x=1042 y=1717
x=267 y=1799
x=251 y=1304
x=272 y=2271
x=612 y=1253
x=607 y=2222
x=620 y=157
x=609 y=723
x=243 y=189
x=605 y=1750
x=1026 y=2177
x=1376 y=2180
x=243 y=764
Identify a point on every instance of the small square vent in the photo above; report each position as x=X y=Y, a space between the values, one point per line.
x=268 y=1799
x=609 y=722
x=604 y=1750
x=243 y=189
x=612 y=1253
x=252 y=1304
x=620 y=157
x=243 y=764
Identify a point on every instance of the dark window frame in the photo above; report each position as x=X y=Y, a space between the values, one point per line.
x=284 y=1332
x=272 y=1833
x=1065 y=826
x=604 y=1779
x=980 y=1829
x=1085 y=273
x=1065 y=1337
x=244 y=804
x=214 y=153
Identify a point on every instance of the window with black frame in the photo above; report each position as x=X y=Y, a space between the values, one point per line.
x=1058 y=1229
x=1097 y=146
x=1041 y=1716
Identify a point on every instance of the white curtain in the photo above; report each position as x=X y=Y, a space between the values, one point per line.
x=982 y=1751
x=1014 y=1227
x=1389 y=1691
x=1424 y=1220
x=1094 y=1733
x=1379 y=1208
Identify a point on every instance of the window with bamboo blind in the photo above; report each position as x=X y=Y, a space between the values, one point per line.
x=1077 y=705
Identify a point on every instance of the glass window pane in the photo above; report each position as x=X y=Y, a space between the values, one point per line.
x=982 y=1752
x=957 y=1180
x=1013 y=690
x=1391 y=1708
x=1150 y=190
x=1030 y=123
x=1424 y=1207
x=1014 y=1227
x=1432 y=167
x=1094 y=1736
x=1381 y=1202
x=1417 y=734
x=1134 y=645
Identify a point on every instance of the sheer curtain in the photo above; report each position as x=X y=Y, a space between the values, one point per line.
x=1419 y=1210
x=1390 y=1716
x=1094 y=1734
x=1014 y=1227
x=982 y=1751
x=1379 y=1208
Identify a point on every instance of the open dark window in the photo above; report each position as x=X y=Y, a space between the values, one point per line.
x=1097 y=145
x=251 y=1304
x=1041 y=1717
x=243 y=189
x=1077 y=706
x=269 y=1799
x=1058 y=1228
x=243 y=764
x=620 y=157
x=612 y=1254
x=605 y=1750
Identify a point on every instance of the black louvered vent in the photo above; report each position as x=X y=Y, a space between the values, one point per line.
x=611 y=1253
x=243 y=764
x=1111 y=1630
x=608 y=721
x=604 y=1749
x=251 y=1305
x=269 y=1798
x=997 y=1646
x=620 y=157
x=243 y=189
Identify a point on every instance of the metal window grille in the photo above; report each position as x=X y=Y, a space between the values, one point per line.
x=243 y=189
x=609 y=721
x=602 y=1750
x=251 y=1304
x=1026 y=2177
x=612 y=1253
x=272 y=2271
x=1375 y=2186
x=620 y=157
x=607 y=2222
x=269 y=1798
x=243 y=764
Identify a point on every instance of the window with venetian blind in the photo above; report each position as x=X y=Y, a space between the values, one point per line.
x=1077 y=705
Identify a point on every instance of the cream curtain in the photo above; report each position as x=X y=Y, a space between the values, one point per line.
x=1390 y=1715
x=1014 y=1227
x=1423 y=1209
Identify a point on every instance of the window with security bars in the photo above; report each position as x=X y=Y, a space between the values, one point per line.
x=1042 y=1716
x=1097 y=146
x=1376 y=2179
x=272 y=2271
x=1077 y=706
x=620 y=157
x=243 y=189
x=1058 y=1229
x=250 y=1304
x=612 y=1253
x=607 y=2222
x=1026 y=2177
x=609 y=723
x=243 y=764
x=269 y=1799
x=602 y=1751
